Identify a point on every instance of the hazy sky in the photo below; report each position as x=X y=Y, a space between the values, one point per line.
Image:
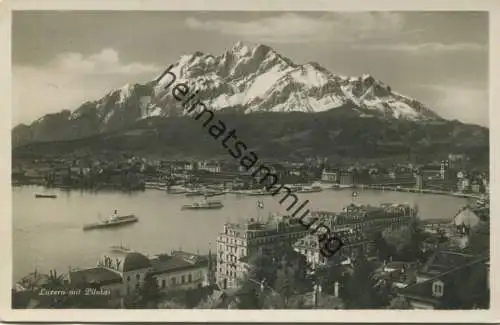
x=62 y=59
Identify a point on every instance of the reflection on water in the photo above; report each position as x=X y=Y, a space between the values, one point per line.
x=47 y=233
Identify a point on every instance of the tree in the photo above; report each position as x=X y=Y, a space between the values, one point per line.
x=262 y=266
x=404 y=242
x=293 y=267
x=384 y=251
x=56 y=281
x=249 y=295
x=469 y=288
x=285 y=283
x=359 y=289
x=148 y=294
x=327 y=275
x=274 y=300
x=479 y=239
x=88 y=301
x=273 y=278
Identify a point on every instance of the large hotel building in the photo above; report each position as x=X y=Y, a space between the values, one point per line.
x=367 y=217
x=353 y=225
x=240 y=240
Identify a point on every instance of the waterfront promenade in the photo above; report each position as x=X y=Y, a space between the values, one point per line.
x=420 y=191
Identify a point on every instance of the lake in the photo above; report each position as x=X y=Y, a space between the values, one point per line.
x=47 y=233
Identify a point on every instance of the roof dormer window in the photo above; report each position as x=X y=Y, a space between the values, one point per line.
x=438 y=289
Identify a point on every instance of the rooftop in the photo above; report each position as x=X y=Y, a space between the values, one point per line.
x=347 y=236
x=444 y=260
x=34 y=280
x=97 y=275
x=467 y=217
x=271 y=224
x=176 y=261
x=123 y=259
x=355 y=212
x=424 y=290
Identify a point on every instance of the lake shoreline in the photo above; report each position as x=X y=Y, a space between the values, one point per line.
x=47 y=233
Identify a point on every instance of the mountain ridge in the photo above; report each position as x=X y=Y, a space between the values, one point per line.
x=242 y=79
x=337 y=134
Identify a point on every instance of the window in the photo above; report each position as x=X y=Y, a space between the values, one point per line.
x=438 y=289
x=190 y=278
x=183 y=279
x=173 y=281
x=137 y=277
x=163 y=284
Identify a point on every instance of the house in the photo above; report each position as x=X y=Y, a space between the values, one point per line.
x=465 y=286
x=463 y=184
x=330 y=176
x=346 y=177
x=209 y=167
x=442 y=261
x=181 y=166
x=466 y=217
x=431 y=172
x=315 y=299
x=310 y=247
x=33 y=281
x=181 y=270
x=101 y=277
x=130 y=266
x=241 y=239
x=354 y=242
x=432 y=242
x=476 y=187
x=122 y=271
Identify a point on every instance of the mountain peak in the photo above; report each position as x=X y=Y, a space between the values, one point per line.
x=246 y=79
x=241 y=49
x=368 y=78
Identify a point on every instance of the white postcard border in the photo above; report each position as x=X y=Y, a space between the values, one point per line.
x=7 y=314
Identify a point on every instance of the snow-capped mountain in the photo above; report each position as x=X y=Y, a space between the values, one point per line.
x=243 y=79
x=258 y=79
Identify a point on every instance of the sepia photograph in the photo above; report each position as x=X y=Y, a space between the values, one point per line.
x=250 y=160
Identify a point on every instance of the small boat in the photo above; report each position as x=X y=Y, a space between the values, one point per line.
x=195 y=193
x=307 y=189
x=200 y=205
x=155 y=186
x=176 y=190
x=258 y=193
x=113 y=221
x=45 y=196
x=214 y=193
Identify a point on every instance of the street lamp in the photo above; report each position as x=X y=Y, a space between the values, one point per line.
x=262 y=285
x=317 y=291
